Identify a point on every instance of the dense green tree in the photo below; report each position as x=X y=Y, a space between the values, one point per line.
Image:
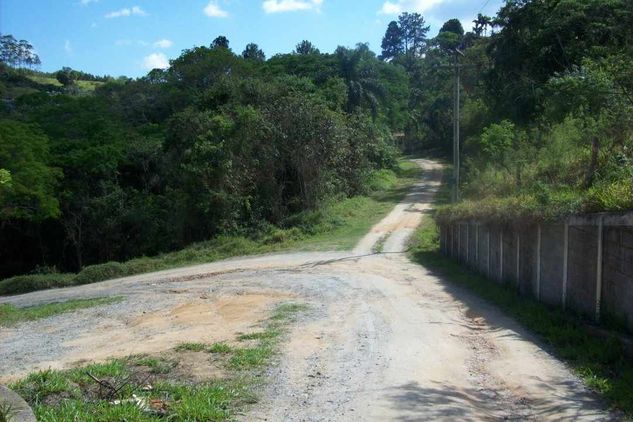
x=253 y=52
x=414 y=34
x=451 y=35
x=392 y=43
x=305 y=48
x=25 y=160
x=67 y=77
x=220 y=42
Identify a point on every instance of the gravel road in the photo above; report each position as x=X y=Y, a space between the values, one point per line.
x=384 y=338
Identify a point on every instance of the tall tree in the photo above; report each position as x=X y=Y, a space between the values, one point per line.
x=451 y=35
x=17 y=53
x=482 y=23
x=414 y=30
x=305 y=47
x=253 y=52
x=220 y=42
x=392 y=43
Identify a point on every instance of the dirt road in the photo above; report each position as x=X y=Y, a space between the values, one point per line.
x=384 y=339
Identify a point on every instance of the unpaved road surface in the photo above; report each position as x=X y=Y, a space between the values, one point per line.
x=384 y=339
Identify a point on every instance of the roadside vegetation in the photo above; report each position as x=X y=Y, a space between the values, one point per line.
x=11 y=315
x=599 y=361
x=337 y=225
x=547 y=114
x=159 y=388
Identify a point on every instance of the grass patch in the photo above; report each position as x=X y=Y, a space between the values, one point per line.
x=220 y=348
x=11 y=315
x=337 y=225
x=74 y=395
x=156 y=365
x=191 y=347
x=599 y=362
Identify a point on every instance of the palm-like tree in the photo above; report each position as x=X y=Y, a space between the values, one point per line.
x=357 y=68
x=482 y=23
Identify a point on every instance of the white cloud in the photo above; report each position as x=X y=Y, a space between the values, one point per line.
x=279 y=6
x=135 y=10
x=68 y=47
x=87 y=2
x=213 y=10
x=155 y=61
x=164 y=43
x=399 y=6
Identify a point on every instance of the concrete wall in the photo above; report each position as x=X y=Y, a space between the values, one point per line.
x=584 y=264
x=617 y=277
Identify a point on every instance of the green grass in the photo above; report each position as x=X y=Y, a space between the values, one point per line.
x=338 y=225
x=156 y=365
x=599 y=362
x=191 y=347
x=83 y=85
x=268 y=339
x=11 y=315
x=72 y=395
x=220 y=348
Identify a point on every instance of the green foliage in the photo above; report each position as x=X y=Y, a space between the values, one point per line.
x=215 y=147
x=24 y=152
x=11 y=315
x=337 y=224
x=29 y=283
x=95 y=273
x=5 y=179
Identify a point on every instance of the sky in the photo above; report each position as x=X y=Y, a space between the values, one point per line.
x=131 y=37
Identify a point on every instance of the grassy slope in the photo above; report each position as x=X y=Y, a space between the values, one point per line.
x=10 y=315
x=599 y=362
x=83 y=85
x=337 y=226
x=74 y=395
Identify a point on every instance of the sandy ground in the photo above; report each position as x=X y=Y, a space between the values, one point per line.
x=384 y=339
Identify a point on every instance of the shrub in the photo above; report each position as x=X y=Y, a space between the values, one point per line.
x=33 y=282
x=381 y=180
x=101 y=272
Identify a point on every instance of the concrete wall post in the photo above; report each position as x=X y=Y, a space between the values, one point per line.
x=488 y=259
x=467 y=243
x=459 y=242
x=565 y=263
x=477 y=244
x=599 y=268
x=538 y=263
x=518 y=268
x=501 y=256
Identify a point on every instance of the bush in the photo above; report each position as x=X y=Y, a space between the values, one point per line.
x=381 y=180
x=95 y=273
x=32 y=282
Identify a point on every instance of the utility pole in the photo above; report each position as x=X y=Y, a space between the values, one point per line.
x=456 y=66
x=456 y=111
x=456 y=106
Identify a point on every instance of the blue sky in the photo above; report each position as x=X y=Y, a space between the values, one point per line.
x=127 y=37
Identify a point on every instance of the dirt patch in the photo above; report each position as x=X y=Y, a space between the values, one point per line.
x=189 y=320
x=198 y=367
